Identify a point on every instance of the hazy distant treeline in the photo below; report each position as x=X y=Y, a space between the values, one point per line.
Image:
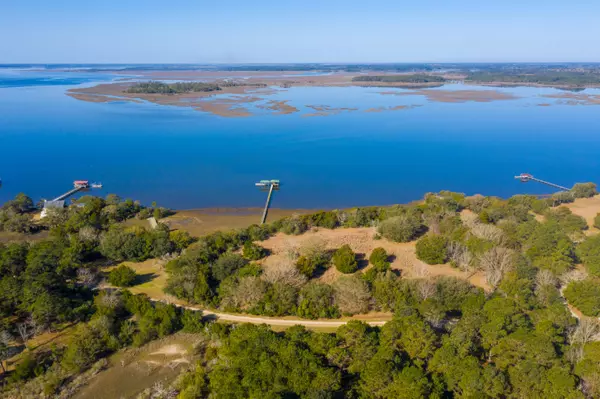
x=567 y=78
x=416 y=78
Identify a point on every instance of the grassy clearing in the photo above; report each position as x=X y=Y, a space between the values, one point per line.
x=132 y=371
x=199 y=222
x=587 y=208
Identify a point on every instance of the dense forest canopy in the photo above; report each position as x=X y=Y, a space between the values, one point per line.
x=447 y=338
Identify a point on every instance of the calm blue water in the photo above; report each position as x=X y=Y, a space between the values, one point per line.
x=183 y=158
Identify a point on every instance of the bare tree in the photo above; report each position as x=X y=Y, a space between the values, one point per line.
x=487 y=232
x=87 y=276
x=111 y=299
x=351 y=294
x=426 y=288
x=285 y=273
x=460 y=256
x=573 y=275
x=587 y=330
x=250 y=291
x=89 y=234
x=26 y=330
x=544 y=278
x=496 y=263
x=313 y=248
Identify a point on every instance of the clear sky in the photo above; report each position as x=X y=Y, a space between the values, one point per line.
x=268 y=31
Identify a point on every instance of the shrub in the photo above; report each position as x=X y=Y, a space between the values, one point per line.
x=402 y=228
x=597 y=221
x=584 y=190
x=585 y=296
x=181 y=239
x=226 y=265
x=379 y=259
x=328 y=220
x=291 y=226
x=432 y=249
x=253 y=251
x=345 y=260
x=122 y=276
x=563 y=197
x=316 y=300
x=306 y=266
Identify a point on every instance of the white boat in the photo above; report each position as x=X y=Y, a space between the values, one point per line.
x=96 y=185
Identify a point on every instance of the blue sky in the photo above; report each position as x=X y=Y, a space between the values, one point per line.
x=261 y=31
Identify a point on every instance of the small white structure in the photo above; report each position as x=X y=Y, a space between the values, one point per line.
x=51 y=205
x=153 y=222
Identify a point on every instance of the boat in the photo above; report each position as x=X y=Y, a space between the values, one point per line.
x=96 y=185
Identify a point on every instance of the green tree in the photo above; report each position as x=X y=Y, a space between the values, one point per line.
x=306 y=266
x=585 y=296
x=402 y=228
x=316 y=300
x=181 y=239
x=345 y=260
x=226 y=265
x=584 y=190
x=253 y=251
x=122 y=276
x=379 y=259
x=432 y=249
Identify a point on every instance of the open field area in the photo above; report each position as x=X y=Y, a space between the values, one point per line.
x=362 y=241
x=132 y=371
x=587 y=208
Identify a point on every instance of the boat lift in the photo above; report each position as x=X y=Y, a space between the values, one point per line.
x=525 y=177
x=270 y=186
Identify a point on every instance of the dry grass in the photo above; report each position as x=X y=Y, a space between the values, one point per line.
x=153 y=273
x=362 y=241
x=587 y=208
x=199 y=222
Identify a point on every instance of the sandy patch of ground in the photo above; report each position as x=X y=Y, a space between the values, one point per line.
x=326 y=110
x=171 y=350
x=362 y=242
x=97 y=98
x=456 y=96
x=279 y=107
x=391 y=108
x=199 y=222
x=587 y=208
x=575 y=98
x=135 y=369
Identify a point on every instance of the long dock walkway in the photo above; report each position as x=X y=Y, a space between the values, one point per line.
x=68 y=194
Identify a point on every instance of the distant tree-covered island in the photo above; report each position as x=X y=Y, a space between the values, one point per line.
x=575 y=79
x=154 y=87
x=413 y=78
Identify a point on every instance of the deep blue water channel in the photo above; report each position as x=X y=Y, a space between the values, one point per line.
x=184 y=158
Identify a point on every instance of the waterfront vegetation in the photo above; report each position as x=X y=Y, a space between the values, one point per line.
x=154 y=87
x=447 y=338
x=413 y=78
x=546 y=78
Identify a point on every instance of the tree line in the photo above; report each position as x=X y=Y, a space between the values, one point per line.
x=447 y=337
x=412 y=78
